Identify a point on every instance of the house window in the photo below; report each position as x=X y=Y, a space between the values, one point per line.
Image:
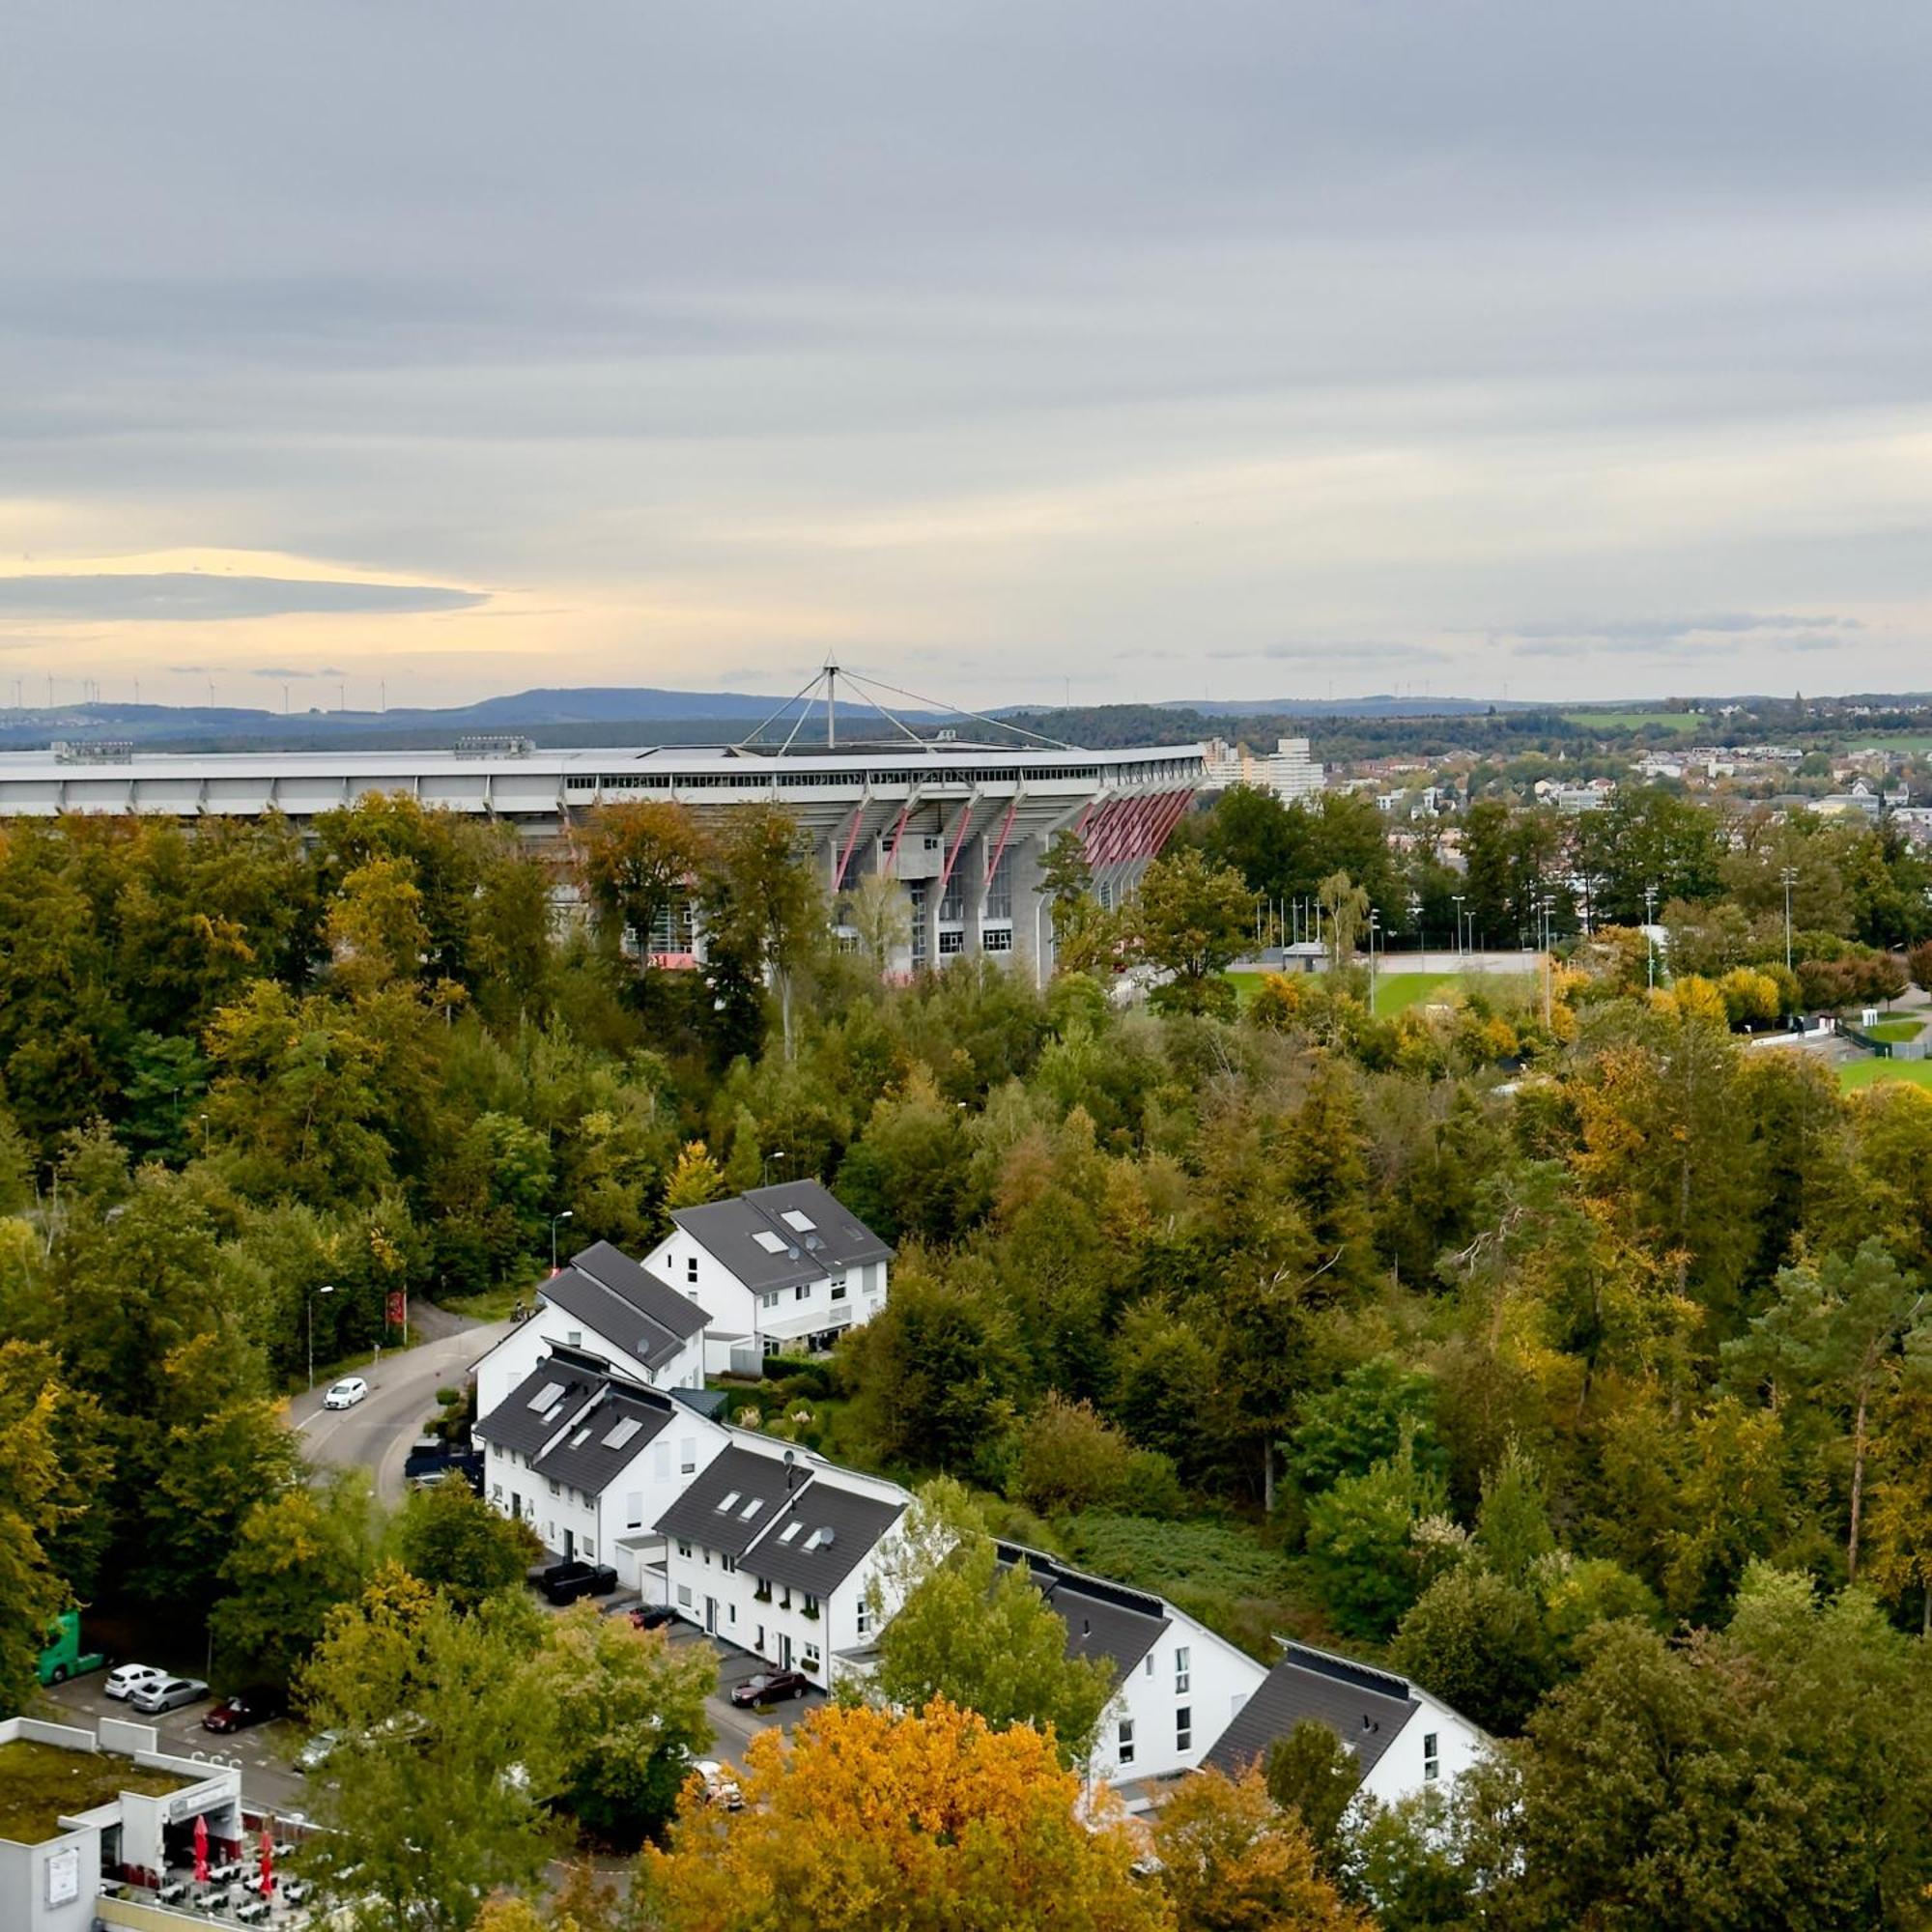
x=838 y=1287
x=663 y=1468
x=1181 y=1672
x=577 y=1338
x=770 y=1300
x=810 y=1604
x=811 y=1656
x=1126 y=1753
x=865 y=1619
x=1183 y=1729
x=589 y=1550
x=495 y=1492
x=1147 y=1669
x=633 y=1510
x=690 y=1270
x=1432 y=1757
x=952 y=941
x=997 y=939
x=684 y=1595
x=552 y=1486
x=687 y=1455
x=727 y=1564
x=683 y=1547
x=731 y=1613
x=801 y=1291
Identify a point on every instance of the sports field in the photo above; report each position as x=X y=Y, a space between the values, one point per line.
x=1857 y=1073
x=1396 y=992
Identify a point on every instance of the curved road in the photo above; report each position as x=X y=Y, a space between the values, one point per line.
x=377 y=1432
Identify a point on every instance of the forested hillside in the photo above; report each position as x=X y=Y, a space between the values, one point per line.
x=1553 y=1345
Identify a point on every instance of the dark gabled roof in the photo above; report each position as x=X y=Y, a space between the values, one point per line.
x=1102 y=1619
x=600 y=1443
x=819 y=1537
x=625 y=1305
x=566 y=1382
x=735 y=1471
x=1365 y=1708
x=708 y=1402
x=790 y=1254
x=564 y=1413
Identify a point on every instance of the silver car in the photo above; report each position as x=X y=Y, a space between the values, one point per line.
x=169 y=1695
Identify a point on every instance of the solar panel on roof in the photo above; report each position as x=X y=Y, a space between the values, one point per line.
x=546 y=1395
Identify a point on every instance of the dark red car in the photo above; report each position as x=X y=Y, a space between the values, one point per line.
x=768 y=1687
x=236 y=1714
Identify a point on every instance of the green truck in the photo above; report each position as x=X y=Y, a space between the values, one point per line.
x=64 y=1657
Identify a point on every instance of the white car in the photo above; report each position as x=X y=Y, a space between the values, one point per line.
x=346 y=1393
x=126 y=1679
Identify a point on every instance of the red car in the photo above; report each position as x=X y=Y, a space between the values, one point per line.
x=236 y=1714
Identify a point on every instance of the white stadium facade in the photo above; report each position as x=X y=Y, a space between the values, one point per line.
x=964 y=828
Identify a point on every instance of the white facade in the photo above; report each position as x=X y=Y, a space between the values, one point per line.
x=1434 y=1749
x=1288 y=771
x=778 y=1317
x=785 y=1624
x=1174 y=1704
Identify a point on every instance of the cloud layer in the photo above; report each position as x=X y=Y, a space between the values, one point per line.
x=1019 y=345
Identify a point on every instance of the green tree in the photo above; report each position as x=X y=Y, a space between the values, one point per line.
x=977 y=1635
x=1512 y=1533
x=1345 y=905
x=1832 y=1335
x=629 y=1717
x=1361 y=1541
x=1191 y=921
x=35 y=1500
x=1476 y=1642
x=762 y=900
x=1899 y=1522
x=295 y=1557
x=451 y=1538
x=642 y=862
x=1312 y=1772
x=1363 y=1420
x=440 y=1793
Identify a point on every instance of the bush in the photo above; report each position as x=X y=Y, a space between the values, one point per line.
x=1476 y=1642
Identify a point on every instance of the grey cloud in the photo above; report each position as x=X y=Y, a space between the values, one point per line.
x=194 y=596
x=278 y=671
x=1686 y=636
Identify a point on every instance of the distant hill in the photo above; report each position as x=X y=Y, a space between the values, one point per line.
x=595 y=715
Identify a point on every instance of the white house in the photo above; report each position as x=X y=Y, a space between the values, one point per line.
x=1402 y=1739
x=591 y=1458
x=1177 y=1683
x=605 y=1303
x=780 y=1267
x=774 y=1549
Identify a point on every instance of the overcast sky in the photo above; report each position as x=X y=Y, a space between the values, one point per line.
x=1016 y=350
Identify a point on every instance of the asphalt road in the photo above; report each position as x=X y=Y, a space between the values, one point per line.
x=377 y=1432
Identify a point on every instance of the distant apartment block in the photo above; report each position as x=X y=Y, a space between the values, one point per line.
x=1288 y=771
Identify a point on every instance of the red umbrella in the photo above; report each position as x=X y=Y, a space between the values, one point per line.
x=268 y=1863
x=200 y=1848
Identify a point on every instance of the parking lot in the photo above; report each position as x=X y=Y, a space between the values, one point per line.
x=265 y=1755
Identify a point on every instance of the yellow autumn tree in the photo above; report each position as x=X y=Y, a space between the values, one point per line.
x=866 y=1819
x=1230 y=1861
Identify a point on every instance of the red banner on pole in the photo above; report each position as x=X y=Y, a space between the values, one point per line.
x=398 y=1309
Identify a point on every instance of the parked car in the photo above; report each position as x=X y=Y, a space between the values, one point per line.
x=346 y=1393
x=318 y=1749
x=169 y=1695
x=125 y=1679
x=431 y=1459
x=653 y=1617
x=719 y=1786
x=567 y=1582
x=237 y=1713
x=768 y=1687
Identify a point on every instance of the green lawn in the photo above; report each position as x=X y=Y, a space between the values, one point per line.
x=1396 y=992
x=1857 y=1073
x=1907 y=741
x=1636 y=721
x=1895 y=1030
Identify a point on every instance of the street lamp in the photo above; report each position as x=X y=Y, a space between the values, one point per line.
x=1790 y=877
x=1375 y=926
x=567 y=1214
x=1457 y=897
x=1650 y=935
x=328 y=1288
x=777 y=1153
